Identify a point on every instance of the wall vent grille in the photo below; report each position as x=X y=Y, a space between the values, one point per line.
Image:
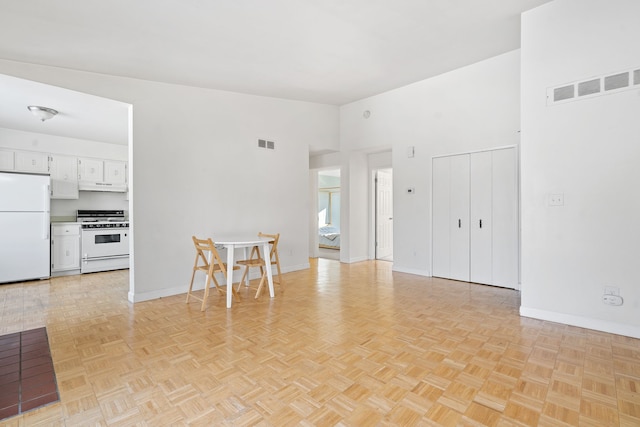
x=589 y=87
x=617 y=81
x=263 y=143
x=603 y=85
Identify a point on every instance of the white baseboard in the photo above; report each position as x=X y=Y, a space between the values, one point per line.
x=199 y=284
x=417 y=272
x=582 y=322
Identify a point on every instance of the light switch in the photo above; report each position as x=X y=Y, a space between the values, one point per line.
x=411 y=152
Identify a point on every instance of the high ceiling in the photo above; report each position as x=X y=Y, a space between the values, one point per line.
x=326 y=51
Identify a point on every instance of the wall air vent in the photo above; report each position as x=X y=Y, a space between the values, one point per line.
x=263 y=143
x=562 y=93
x=589 y=87
x=595 y=86
x=617 y=81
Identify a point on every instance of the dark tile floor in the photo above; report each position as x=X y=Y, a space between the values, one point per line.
x=27 y=378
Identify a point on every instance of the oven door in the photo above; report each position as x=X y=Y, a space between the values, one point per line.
x=105 y=243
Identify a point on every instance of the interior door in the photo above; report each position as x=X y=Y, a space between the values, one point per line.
x=384 y=215
x=459 y=225
x=481 y=226
x=441 y=217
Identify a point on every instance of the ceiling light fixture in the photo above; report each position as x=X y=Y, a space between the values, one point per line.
x=43 y=113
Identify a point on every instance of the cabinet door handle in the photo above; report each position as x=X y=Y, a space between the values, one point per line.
x=480 y=223
x=459 y=223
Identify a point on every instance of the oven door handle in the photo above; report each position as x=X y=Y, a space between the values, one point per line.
x=85 y=257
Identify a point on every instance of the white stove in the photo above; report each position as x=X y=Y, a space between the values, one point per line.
x=105 y=240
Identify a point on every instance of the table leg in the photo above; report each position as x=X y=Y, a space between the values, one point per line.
x=266 y=250
x=230 y=251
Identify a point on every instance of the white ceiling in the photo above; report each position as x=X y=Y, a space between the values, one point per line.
x=326 y=51
x=80 y=115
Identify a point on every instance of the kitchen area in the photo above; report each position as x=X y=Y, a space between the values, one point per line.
x=42 y=234
x=64 y=182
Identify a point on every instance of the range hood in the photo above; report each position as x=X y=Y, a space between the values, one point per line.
x=102 y=186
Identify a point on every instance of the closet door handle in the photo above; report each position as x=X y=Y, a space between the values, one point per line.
x=480 y=223
x=459 y=223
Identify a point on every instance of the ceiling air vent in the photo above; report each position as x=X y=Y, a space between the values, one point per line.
x=636 y=77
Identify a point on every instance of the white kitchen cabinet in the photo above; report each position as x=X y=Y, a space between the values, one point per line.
x=90 y=170
x=64 y=177
x=102 y=175
x=475 y=217
x=31 y=161
x=6 y=160
x=115 y=172
x=65 y=249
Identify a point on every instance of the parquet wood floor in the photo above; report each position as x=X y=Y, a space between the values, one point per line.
x=345 y=345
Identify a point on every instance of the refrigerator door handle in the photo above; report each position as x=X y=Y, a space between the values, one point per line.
x=47 y=210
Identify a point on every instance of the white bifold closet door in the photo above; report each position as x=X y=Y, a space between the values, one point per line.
x=475 y=217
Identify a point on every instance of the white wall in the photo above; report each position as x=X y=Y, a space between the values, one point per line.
x=197 y=170
x=30 y=141
x=472 y=108
x=588 y=150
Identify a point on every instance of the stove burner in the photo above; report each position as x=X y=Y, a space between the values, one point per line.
x=102 y=218
x=102 y=224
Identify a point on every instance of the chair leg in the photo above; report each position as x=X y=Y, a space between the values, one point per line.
x=215 y=282
x=193 y=275
x=280 y=281
x=206 y=293
x=261 y=285
x=244 y=274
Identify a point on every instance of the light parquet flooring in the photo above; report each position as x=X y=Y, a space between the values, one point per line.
x=345 y=345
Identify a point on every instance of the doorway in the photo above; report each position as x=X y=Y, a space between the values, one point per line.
x=384 y=215
x=328 y=214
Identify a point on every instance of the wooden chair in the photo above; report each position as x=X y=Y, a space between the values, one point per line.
x=256 y=260
x=210 y=265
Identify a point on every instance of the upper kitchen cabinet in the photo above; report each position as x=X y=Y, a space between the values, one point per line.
x=6 y=160
x=115 y=172
x=64 y=177
x=102 y=175
x=31 y=161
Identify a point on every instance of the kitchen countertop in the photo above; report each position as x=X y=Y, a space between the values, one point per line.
x=58 y=219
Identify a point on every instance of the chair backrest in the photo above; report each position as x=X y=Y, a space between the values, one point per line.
x=207 y=245
x=273 y=254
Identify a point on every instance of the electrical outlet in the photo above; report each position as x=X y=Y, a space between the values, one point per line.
x=612 y=299
x=556 y=199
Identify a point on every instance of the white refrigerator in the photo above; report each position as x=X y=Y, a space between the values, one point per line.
x=24 y=227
